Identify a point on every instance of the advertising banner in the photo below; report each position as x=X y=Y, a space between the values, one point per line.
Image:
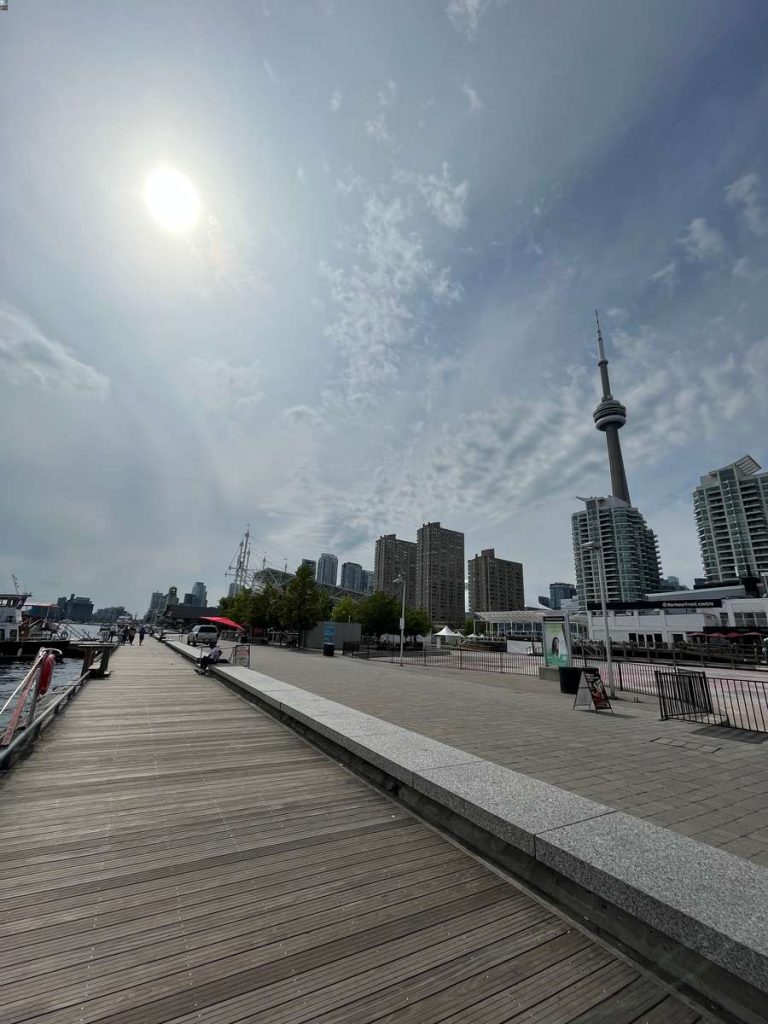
x=556 y=651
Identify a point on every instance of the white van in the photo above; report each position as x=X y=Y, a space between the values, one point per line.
x=203 y=635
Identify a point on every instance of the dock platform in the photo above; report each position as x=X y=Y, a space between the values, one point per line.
x=173 y=854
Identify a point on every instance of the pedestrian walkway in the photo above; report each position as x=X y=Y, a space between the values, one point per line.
x=173 y=854
x=699 y=781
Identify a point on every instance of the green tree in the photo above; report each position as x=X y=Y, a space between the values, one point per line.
x=469 y=626
x=346 y=610
x=416 y=622
x=301 y=604
x=379 y=614
x=267 y=607
x=239 y=608
x=324 y=606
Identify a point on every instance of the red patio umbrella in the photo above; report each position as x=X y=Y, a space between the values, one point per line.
x=221 y=621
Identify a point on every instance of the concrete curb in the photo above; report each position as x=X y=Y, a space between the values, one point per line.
x=699 y=914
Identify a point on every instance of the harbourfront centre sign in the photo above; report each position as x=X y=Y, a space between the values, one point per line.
x=692 y=604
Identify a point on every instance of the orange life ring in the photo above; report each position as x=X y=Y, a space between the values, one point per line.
x=46 y=672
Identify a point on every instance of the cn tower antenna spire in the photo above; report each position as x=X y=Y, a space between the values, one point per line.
x=610 y=416
x=602 y=361
x=600 y=348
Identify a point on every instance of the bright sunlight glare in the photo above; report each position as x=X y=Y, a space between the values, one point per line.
x=172 y=200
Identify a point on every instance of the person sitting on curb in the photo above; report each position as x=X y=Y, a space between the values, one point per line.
x=211 y=658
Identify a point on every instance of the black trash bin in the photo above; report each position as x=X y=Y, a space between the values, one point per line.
x=569 y=679
x=328 y=650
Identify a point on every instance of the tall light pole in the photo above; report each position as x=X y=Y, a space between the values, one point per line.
x=596 y=548
x=401 y=580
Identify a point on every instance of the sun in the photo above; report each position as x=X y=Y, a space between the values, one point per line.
x=172 y=200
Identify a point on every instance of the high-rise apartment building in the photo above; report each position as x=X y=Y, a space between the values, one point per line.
x=327 y=569
x=629 y=547
x=352 y=576
x=495 y=584
x=395 y=559
x=156 y=603
x=201 y=594
x=440 y=574
x=559 y=592
x=312 y=565
x=369 y=581
x=630 y=552
x=731 y=510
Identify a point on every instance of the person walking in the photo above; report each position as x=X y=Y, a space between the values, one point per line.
x=142 y=633
x=131 y=635
x=124 y=636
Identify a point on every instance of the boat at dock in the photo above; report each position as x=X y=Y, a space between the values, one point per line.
x=22 y=636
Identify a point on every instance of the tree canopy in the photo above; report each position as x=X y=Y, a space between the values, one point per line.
x=346 y=610
x=303 y=602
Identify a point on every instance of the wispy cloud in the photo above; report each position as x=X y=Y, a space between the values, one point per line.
x=303 y=415
x=388 y=94
x=28 y=356
x=666 y=276
x=702 y=242
x=377 y=129
x=379 y=297
x=445 y=200
x=215 y=250
x=335 y=103
x=475 y=103
x=744 y=194
x=270 y=71
x=745 y=270
x=467 y=14
x=224 y=388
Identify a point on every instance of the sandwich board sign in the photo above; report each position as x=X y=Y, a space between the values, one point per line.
x=591 y=692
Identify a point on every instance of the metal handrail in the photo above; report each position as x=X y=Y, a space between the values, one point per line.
x=34 y=727
x=30 y=679
x=22 y=683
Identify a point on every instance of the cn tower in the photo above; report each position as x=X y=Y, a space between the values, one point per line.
x=610 y=416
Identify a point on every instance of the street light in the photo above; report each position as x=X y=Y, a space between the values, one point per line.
x=399 y=580
x=597 y=548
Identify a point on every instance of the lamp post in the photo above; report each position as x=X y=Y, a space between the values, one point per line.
x=597 y=548
x=401 y=580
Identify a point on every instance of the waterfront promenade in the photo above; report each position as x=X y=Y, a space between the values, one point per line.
x=707 y=783
x=173 y=854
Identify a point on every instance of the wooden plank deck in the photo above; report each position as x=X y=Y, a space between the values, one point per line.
x=170 y=853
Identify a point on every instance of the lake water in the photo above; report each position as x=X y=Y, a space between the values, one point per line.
x=12 y=672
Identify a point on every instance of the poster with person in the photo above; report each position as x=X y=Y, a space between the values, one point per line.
x=555 y=639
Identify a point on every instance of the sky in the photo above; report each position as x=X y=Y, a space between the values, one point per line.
x=384 y=314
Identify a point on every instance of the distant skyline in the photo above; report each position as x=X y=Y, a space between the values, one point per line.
x=330 y=269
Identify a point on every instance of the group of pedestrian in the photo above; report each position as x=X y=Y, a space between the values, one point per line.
x=128 y=634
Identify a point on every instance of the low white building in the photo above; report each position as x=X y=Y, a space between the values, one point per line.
x=524 y=624
x=669 y=617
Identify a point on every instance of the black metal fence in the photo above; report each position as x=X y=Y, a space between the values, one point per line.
x=697 y=697
x=454 y=658
x=738 y=700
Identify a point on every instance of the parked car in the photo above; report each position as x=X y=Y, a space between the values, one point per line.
x=203 y=635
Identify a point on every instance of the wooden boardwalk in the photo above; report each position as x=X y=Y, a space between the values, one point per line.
x=170 y=853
